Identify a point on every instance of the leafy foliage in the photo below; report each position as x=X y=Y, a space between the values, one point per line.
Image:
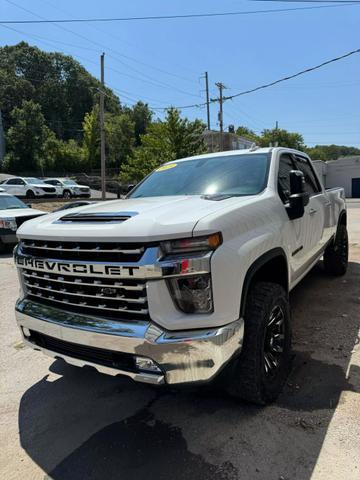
x=281 y=137
x=173 y=138
x=58 y=83
x=26 y=138
x=331 y=152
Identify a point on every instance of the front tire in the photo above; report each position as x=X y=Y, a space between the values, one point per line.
x=30 y=194
x=336 y=254
x=259 y=374
x=67 y=194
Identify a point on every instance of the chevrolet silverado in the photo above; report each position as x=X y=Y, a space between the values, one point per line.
x=188 y=278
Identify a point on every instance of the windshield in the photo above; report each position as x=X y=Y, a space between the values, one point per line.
x=33 y=180
x=233 y=175
x=69 y=182
x=11 y=202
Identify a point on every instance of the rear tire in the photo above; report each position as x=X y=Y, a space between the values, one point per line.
x=336 y=254
x=30 y=194
x=259 y=373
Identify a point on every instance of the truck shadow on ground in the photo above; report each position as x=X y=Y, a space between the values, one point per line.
x=79 y=424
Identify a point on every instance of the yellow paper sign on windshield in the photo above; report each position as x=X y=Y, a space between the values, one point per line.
x=167 y=167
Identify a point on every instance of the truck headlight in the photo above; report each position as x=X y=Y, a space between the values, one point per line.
x=192 y=294
x=192 y=244
x=190 y=291
x=8 y=223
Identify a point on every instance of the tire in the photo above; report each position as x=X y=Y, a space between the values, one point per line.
x=30 y=194
x=67 y=194
x=336 y=254
x=259 y=373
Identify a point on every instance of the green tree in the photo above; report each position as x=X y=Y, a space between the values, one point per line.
x=331 y=152
x=26 y=138
x=173 y=138
x=62 y=87
x=246 y=132
x=119 y=138
x=141 y=115
x=91 y=138
x=281 y=137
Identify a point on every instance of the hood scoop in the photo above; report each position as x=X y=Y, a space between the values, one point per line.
x=100 y=217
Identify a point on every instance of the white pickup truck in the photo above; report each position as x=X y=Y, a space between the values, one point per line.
x=188 y=278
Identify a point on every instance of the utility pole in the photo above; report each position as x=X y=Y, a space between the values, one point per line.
x=102 y=130
x=221 y=87
x=207 y=99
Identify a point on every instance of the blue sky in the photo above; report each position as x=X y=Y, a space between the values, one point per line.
x=161 y=62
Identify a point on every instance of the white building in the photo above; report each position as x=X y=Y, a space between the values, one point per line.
x=343 y=172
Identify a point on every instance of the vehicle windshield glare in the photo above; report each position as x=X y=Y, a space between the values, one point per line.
x=34 y=181
x=8 y=202
x=69 y=182
x=230 y=175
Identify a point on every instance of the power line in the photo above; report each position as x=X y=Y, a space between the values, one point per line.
x=173 y=17
x=280 y=80
x=152 y=81
x=166 y=72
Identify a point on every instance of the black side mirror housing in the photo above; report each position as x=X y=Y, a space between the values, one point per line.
x=298 y=197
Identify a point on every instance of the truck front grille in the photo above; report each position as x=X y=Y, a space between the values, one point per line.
x=83 y=251
x=92 y=295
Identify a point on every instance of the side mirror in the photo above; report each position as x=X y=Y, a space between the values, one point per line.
x=298 y=197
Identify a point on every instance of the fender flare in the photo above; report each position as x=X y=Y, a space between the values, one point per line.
x=255 y=267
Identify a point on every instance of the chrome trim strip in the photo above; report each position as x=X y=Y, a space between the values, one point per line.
x=183 y=356
x=149 y=267
x=86 y=250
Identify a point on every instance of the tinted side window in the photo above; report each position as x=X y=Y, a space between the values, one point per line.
x=13 y=181
x=286 y=164
x=311 y=184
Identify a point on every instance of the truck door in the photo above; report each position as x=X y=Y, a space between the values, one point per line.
x=302 y=236
x=317 y=211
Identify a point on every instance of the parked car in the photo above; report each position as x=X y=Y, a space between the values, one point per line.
x=188 y=278
x=13 y=213
x=28 y=187
x=67 y=188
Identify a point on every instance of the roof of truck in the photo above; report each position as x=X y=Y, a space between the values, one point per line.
x=230 y=153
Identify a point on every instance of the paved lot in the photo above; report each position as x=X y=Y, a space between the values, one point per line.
x=64 y=423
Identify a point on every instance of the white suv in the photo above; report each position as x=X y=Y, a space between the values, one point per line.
x=28 y=187
x=68 y=188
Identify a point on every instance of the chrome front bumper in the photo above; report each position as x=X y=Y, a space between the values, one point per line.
x=182 y=356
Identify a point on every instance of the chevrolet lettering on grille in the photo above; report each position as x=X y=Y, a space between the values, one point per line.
x=98 y=269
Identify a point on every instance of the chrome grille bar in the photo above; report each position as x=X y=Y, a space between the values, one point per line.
x=84 y=305
x=87 y=250
x=79 y=281
x=141 y=300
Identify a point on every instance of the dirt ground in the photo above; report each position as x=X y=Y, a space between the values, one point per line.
x=63 y=423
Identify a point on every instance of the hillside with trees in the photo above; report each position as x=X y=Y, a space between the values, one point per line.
x=49 y=106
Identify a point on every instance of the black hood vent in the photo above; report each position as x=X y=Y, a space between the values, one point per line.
x=101 y=217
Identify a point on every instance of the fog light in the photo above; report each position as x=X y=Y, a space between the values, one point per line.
x=192 y=294
x=26 y=332
x=146 y=365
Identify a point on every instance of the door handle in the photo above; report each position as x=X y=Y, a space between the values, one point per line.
x=312 y=211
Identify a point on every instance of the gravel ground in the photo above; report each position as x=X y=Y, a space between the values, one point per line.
x=65 y=423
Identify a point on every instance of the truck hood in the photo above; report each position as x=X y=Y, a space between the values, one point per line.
x=150 y=219
x=20 y=212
